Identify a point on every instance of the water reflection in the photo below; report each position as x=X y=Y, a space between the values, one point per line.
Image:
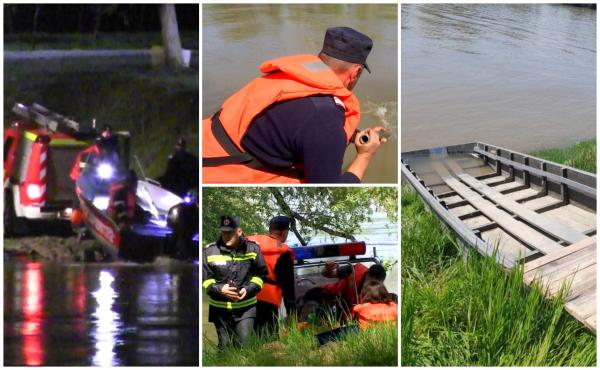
x=33 y=315
x=106 y=320
x=101 y=315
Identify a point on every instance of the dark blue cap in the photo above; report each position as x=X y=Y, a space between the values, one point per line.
x=280 y=223
x=229 y=223
x=347 y=44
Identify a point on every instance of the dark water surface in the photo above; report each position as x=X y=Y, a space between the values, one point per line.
x=237 y=38
x=521 y=76
x=101 y=314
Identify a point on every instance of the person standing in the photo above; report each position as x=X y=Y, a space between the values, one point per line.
x=279 y=284
x=182 y=172
x=233 y=272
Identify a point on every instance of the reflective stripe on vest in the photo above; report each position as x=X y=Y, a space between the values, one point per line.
x=287 y=78
x=227 y=258
x=232 y=305
x=208 y=282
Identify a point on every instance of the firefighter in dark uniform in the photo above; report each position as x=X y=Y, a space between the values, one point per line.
x=233 y=272
x=183 y=170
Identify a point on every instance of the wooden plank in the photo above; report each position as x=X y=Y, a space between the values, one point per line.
x=550 y=226
x=561 y=269
x=561 y=253
x=578 y=282
x=525 y=233
x=590 y=322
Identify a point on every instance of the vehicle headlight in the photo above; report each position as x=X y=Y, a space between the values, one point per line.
x=34 y=191
x=105 y=171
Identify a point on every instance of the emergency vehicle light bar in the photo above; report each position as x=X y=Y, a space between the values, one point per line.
x=330 y=250
x=44 y=117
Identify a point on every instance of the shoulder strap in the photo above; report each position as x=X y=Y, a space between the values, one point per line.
x=236 y=156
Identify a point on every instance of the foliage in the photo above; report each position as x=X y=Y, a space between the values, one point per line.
x=87 y=41
x=459 y=308
x=581 y=155
x=155 y=106
x=340 y=209
x=377 y=346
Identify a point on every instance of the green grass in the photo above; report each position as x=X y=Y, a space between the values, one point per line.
x=370 y=347
x=109 y=40
x=581 y=155
x=461 y=309
x=155 y=105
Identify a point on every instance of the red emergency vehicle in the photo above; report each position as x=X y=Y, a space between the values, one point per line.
x=39 y=150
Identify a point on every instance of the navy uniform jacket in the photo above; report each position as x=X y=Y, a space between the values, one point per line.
x=309 y=131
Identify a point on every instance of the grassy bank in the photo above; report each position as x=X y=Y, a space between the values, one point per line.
x=370 y=347
x=459 y=308
x=111 y=40
x=156 y=105
x=582 y=155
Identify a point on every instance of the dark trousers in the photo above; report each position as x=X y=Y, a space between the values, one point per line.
x=267 y=316
x=234 y=329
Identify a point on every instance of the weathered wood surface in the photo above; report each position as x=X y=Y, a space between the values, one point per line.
x=524 y=233
x=574 y=268
x=549 y=225
x=571 y=267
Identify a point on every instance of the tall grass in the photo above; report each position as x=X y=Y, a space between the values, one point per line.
x=377 y=346
x=582 y=155
x=459 y=308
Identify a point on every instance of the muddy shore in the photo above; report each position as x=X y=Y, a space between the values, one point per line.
x=54 y=248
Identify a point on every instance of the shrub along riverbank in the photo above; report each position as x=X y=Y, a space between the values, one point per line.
x=459 y=308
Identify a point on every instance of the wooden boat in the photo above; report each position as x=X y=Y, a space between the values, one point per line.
x=528 y=209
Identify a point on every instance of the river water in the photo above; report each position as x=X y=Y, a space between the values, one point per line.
x=237 y=38
x=521 y=76
x=114 y=314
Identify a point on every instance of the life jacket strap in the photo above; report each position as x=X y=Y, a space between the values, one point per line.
x=236 y=156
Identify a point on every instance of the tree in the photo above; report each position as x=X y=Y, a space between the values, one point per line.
x=335 y=211
x=170 y=35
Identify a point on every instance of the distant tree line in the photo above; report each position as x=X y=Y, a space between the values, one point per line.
x=93 y=18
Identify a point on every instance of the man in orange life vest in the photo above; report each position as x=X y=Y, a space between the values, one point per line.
x=293 y=124
x=280 y=280
x=349 y=286
x=105 y=141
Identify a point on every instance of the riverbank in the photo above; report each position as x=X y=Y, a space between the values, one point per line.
x=461 y=309
x=87 y=41
x=156 y=105
x=376 y=346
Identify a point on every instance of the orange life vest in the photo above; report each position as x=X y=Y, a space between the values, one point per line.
x=271 y=249
x=292 y=77
x=76 y=169
x=346 y=287
x=375 y=312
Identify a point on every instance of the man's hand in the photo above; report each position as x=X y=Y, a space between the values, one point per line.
x=242 y=294
x=369 y=148
x=230 y=292
x=365 y=152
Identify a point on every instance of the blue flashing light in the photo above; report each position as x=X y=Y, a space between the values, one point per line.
x=330 y=250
